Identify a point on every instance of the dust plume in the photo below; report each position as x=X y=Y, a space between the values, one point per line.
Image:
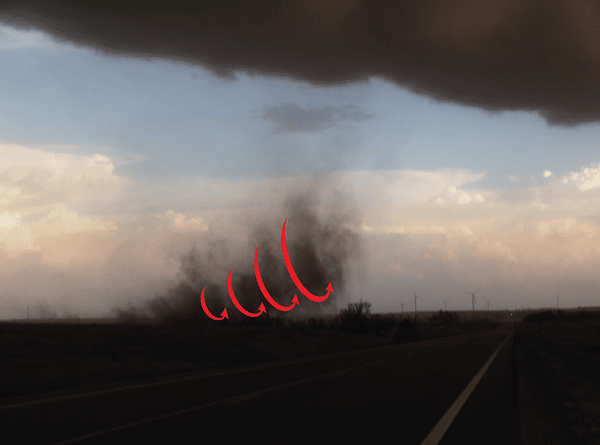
x=323 y=246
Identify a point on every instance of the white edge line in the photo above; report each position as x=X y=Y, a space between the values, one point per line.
x=438 y=431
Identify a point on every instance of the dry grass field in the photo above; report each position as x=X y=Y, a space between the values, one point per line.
x=559 y=370
x=45 y=357
x=40 y=357
x=557 y=358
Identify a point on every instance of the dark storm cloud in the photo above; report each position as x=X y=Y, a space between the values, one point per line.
x=538 y=55
x=291 y=118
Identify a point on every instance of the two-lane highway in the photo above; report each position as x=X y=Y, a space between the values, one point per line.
x=398 y=392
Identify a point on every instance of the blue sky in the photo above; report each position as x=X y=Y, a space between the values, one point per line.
x=97 y=149
x=183 y=120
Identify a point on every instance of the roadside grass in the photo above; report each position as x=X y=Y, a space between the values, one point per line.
x=45 y=357
x=41 y=357
x=563 y=354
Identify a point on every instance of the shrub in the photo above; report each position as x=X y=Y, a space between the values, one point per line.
x=444 y=318
x=335 y=322
x=355 y=319
x=277 y=322
x=382 y=324
x=406 y=331
x=581 y=315
x=317 y=323
x=545 y=315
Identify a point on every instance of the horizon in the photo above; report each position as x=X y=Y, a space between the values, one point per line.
x=480 y=314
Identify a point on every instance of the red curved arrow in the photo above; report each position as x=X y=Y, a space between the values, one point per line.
x=295 y=278
x=265 y=292
x=237 y=304
x=207 y=312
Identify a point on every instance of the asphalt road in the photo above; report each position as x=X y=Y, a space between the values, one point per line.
x=394 y=393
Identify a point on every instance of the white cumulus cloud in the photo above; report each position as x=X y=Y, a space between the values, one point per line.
x=184 y=222
x=34 y=179
x=61 y=220
x=586 y=178
x=454 y=195
x=14 y=235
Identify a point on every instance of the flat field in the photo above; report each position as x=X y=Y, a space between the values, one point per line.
x=559 y=390
x=42 y=357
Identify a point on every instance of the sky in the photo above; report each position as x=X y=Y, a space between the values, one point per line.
x=455 y=144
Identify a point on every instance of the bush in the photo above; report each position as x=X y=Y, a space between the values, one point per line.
x=355 y=319
x=333 y=323
x=545 y=315
x=382 y=324
x=317 y=323
x=406 y=331
x=581 y=315
x=444 y=318
x=277 y=322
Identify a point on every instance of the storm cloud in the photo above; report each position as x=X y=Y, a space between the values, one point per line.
x=534 y=55
x=292 y=118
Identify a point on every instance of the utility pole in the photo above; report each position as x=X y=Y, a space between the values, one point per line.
x=415 y=303
x=488 y=303
x=402 y=308
x=557 y=306
x=473 y=298
x=445 y=304
x=27 y=312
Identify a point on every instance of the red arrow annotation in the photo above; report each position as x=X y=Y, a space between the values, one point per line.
x=297 y=282
x=237 y=304
x=207 y=312
x=266 y=293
